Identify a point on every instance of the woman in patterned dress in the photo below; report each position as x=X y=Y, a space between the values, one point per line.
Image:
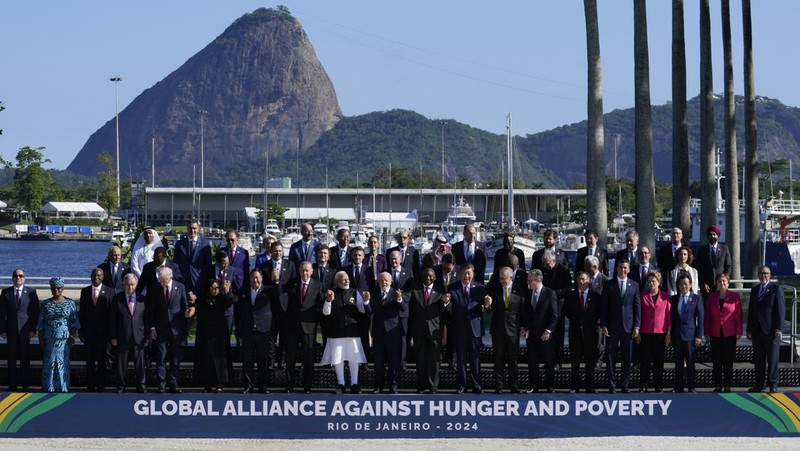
x=58 y=323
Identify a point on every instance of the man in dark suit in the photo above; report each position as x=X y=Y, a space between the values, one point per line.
x=238 y=257
x=114 y=270
x=467 y=299
x=428 y=314
x=94 y=316
x=620 y=317
x=539 y=318
x=299 y=324
x=409 y=257
x=128 y=332
x=665 y=257
x=279 y=274
x=254 y=330
x=323 y=272
x=389 y=309
x=592 y=248
x=640 y=270
x=402 y=278
x=550 y=239
x=582 y=309
x=765 y=317
x=446 y=273
x=687 y=332
x=501 y=256
x=340 y=254
x=149 y=278
x=222 y=271
x=506 y=306
x=19 y=314
x=169 y=311
x=193 y=255
x=631 y=251
x=304 y=250
x=712 y=260
x=557 y=278
x=468 y=251
x=357 y=270
x=597 y=279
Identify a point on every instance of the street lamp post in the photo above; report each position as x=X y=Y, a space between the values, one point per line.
x=442 y=124
x=116 y=80
x=202 y=150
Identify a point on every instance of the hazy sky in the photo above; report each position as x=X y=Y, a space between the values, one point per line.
x=471 y=61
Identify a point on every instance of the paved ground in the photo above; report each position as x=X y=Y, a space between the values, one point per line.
x=593 y=443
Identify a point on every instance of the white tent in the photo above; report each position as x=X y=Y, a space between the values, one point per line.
x=312 y=214
x=72 y=209
x=3 y=204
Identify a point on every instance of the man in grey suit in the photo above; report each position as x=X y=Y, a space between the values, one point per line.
x=506 y=306
x=712 y=260
x=129 y=325
x=620 y=317
x=765 y=318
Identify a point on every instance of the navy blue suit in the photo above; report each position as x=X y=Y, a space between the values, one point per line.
x=94 y=319
x=388 y=335
x=686 y=327
x=192 y=262
x=299 y=252
x=411 y=261
x=537 y=317
x=131 y=333
x=766 y=314
x=115 y=281
x=254 y=329
x=18 y=322
x=240 y=261
x=465 y=327
x=478 y=260
x=620 y=315
x=171 y=327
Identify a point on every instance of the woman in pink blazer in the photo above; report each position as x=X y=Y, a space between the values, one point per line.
x=723 y=326
x=654 y=331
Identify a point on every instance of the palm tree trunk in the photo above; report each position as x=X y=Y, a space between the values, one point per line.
x=680 y=129
x=708 y=183
x=752 y=254
x=643 y=180
x=732 y=233
x=597 y=211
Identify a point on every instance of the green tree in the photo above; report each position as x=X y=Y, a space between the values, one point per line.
x=107 y=191
x=30 y=179
x=276 y=211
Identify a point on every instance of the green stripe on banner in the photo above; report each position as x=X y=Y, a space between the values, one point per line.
x=34 y=411
x=18 y=409
x=755 y=409
x=772 y=405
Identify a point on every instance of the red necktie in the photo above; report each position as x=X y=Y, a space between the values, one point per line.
x=94 y=296
x=167 y=294
x=583 y=299
x=644 y=273
x=427 y=295
x=130 y=304
x=304 y=291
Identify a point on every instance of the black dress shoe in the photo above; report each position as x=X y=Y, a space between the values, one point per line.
x=12 y=388
x=754 y=390
x=678 y=390
x=658 y=390
x=532 y=391
x=726 y=390
x=433 y=391
x=306 y=391
x=590 y=391
x=718 y=390
x=120 y=390
x=549 y=390
x=339 y=389
x=420 y=391
x=141 y=391
x=477 y=391
x=498 y=390
x=98 y=390
x=514 y=390
x=355 y=389
x=377 y=391
x=572 y=391
x=691 y=390
x=393 y=391
x=612 y=391
x=175 y=390
x=247 y=390
x=773 y=390
x=161 y=390
x=460 y=390
x=263 y=390
x=624 y=390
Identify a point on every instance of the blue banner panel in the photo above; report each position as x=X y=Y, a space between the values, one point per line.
x=70 y=229
x=86 y=230
x=398 y=416
x=52 y=228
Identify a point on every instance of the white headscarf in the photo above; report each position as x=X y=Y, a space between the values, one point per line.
x=143 y=253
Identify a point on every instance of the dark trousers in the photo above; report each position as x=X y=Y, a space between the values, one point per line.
x=295 y=340
x=765 y=358
x=506 y=353
x=257 y=349
x=652 y=355
x=618 y=341
x=95 y=363
x=583 y=349
x=428 y=352
x=387 y=353
x=467 y=350
x=558 y=336
x=18 y=350
x=169 y=348
x=122 y=358
x=723 y=351
x=684 y=364
x=540 y=352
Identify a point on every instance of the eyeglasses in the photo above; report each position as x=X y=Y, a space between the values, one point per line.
x=19 y=276
x=764 y=273
x=214 y=287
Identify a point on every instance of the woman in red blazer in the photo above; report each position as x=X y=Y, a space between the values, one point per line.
x=723 y=326
x=654 y=333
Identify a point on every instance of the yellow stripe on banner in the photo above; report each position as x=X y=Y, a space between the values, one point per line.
x=11 y=401
x=790 y=407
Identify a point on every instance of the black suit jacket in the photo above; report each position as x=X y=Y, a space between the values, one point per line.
x=389 y=316
x=466 y=314
x=18 y=323
x=501 y=259
x=600 y=253
x=636 y=273
x=766 y=313
x=426 y=319
x=251 y=316
x=618 y=313
x=326 y=278
x=506 y=321
x=95 y=318
x=168 y=317
x=212 y=272
x=412 y=261
x=541 y=316
x=336 y=255
x=192 y=264
x=279 y=289
x=116 y=283
x=478 y=260
x=127 y=328
x=303 y=312
x=150 y=279
x=624 y=254
x=405 y=280
x=361 y=282
x=665 y=259
x=709 y=268
x=441 y=279
x=582 y=321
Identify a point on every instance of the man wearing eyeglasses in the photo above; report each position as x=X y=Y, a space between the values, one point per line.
x=238 y=257
x=19 y=313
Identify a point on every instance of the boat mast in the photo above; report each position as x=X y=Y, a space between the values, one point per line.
x=510 y=178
